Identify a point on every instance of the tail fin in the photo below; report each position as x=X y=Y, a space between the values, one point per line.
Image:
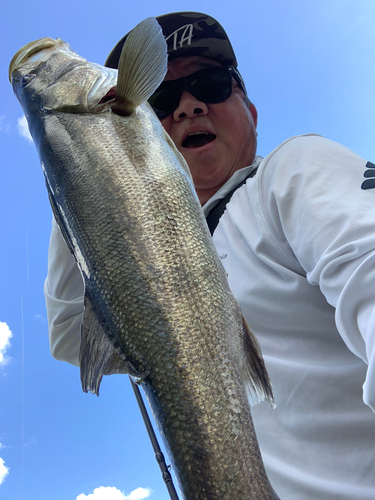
x=142 y=66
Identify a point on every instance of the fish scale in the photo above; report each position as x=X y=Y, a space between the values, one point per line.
x=157 y=301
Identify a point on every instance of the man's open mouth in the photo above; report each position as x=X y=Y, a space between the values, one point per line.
x=198 y=139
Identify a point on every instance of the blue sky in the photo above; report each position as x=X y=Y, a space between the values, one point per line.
x=308 y=67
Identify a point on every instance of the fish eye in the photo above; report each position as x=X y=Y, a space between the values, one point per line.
x=26 y=79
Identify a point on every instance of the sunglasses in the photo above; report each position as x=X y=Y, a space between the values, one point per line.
x=211 y=85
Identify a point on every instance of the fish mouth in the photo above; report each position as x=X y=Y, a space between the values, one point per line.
x=33 y=49
x=198 y=139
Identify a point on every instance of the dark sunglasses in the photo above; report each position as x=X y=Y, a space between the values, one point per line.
x=211 y=85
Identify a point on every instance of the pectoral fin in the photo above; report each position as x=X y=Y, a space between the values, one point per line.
x=142 y=66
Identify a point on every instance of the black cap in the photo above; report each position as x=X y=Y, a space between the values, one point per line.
x=188 y=34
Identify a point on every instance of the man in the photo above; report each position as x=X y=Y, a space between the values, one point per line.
x=297 y=240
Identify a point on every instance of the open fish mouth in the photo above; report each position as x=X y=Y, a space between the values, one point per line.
x=33 y=50
x=198 y=140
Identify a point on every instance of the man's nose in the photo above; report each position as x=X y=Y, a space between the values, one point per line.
x=189 y=106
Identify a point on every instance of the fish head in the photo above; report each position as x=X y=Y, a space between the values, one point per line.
x=48 y=76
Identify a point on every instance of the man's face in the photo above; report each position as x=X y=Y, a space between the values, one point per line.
x=229 y=127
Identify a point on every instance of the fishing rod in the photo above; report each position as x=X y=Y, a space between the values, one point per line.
x=155 y=445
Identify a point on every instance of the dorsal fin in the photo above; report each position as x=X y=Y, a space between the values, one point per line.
x=142 y=66
x=254 y=373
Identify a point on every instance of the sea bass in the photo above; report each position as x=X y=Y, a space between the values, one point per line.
x=157 y=302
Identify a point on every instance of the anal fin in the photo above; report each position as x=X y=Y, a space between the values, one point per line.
x=97 y=355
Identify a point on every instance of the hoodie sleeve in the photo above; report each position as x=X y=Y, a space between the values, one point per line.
x=319 y=211
x=63 y=291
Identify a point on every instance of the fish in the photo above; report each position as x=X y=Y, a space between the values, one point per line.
x=157 y=302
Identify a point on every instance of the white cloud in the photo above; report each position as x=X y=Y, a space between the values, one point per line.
x=5 y=336
x=23 y=128
x=112 y=493
x=139 y=494
x=4 y=471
